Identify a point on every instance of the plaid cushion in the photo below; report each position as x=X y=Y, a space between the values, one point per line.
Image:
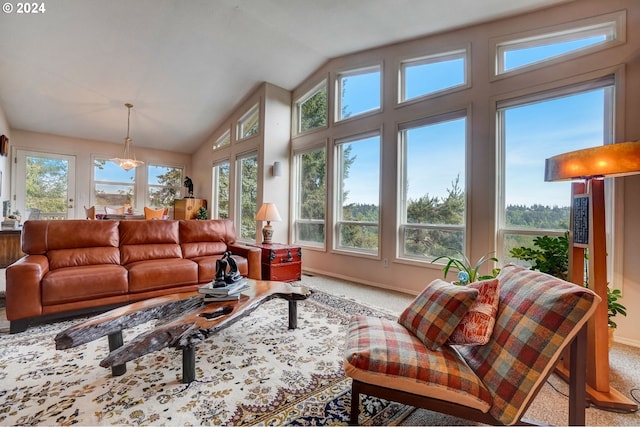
x=537 y=316
x=382 y=352
x=477 y=325
x=436 y=312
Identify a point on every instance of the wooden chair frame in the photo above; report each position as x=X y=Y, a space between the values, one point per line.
x=577 y=393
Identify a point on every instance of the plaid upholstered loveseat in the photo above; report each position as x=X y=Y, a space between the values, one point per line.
x=538 y=316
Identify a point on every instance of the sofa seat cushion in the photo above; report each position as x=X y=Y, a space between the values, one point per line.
x=384 y=353
x=161 y=273
x=207 y=266
x=80 y=283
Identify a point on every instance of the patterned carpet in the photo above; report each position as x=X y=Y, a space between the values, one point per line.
x=256 y=372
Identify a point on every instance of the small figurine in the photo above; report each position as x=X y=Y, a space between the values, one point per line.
x=189 y=185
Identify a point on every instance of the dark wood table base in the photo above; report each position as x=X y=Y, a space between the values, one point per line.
x=184 y=321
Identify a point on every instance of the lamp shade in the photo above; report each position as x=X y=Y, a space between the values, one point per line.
x=610 y=160
x=268 y=212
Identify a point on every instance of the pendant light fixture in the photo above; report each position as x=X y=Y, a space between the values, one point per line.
x=128 y=160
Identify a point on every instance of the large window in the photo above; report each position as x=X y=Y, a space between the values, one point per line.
x=311 y=196
x=531 y=130
x=247 y=179
x=164 y=185
x=113 y=186
x=358 y=92
x=311 y=109
x=432 y=177
x=220 y=205
x=223 y=140
x=358 y=193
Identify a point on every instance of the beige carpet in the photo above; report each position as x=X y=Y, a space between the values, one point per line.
x=549 y=407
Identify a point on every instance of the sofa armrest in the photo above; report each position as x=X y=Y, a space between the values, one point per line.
x=24 y=278
x=253 y=256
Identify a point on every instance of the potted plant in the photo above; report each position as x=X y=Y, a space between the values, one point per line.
x=466 y=272
x=549 y=255
x=202 y=213
x=614 y=308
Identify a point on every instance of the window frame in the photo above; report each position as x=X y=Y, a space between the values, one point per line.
x=615 y=22
x=252 y=112
x=608 y=81
x=297 y=107
x=223 y=140
x=463 y=53
x=178 y=187
x=297 y=197
x=338 y=196
x=403 y=224
x=134 y=197
x=215 y=185
x=337 y=82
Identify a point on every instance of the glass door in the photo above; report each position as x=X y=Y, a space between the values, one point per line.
x=44 y=186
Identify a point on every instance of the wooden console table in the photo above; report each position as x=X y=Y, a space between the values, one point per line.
x=10 y=247
x=184 y=320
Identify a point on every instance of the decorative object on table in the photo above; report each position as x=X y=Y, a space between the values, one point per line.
x=128 y=160
x=223 y=276
x=202 y=213
x=268 y=212
x=189 y=186
x=466 y=272
x=592 y=165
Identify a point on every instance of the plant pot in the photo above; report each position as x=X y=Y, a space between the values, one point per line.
x=611 y=331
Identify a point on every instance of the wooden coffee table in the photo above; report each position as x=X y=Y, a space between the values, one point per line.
x=184 y=320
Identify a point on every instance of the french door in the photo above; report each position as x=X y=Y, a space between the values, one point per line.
x=43 y=186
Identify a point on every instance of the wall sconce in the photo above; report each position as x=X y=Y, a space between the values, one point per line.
x=276 y=169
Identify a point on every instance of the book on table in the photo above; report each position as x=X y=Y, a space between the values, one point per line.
x=228 y=289
x=233 y=296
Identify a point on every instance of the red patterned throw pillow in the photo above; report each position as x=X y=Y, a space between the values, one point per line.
x=476 y=326
x=437 y=311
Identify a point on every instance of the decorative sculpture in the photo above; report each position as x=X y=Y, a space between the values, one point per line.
x=224 y=277
x=189 y=185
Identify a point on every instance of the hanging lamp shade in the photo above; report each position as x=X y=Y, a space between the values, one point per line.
x=128 y=160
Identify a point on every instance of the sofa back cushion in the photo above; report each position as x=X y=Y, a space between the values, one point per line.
x=206 y=238
x=72 y=243
x=147 y=240
x=538 y=315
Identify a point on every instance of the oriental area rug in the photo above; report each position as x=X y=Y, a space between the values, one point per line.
x=255 y=372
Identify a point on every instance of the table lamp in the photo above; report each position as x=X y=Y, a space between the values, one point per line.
x=588 y=233
x=268 y=212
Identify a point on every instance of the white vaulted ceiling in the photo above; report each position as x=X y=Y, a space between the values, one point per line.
x=185 y=64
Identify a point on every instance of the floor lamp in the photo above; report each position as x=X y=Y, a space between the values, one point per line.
x=588 y=233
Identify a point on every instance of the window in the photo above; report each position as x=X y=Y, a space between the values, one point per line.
x=358 y=193
x=113 y=186
x=220 y=205
x=530 y=50
x=311 y=195
x=164 y=185
x=432 y=179
x=249 y=124
x=247 y=178
x=531 y=130
x=432 y=74
x=359 y=92
x=223 y=141
x=311 y=109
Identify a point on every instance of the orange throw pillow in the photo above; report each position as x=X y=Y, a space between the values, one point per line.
x=476 y=326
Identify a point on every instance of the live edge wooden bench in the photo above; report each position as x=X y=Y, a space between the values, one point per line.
x=184 y=320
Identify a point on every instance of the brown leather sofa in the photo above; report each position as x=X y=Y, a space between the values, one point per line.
x=78 y=266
